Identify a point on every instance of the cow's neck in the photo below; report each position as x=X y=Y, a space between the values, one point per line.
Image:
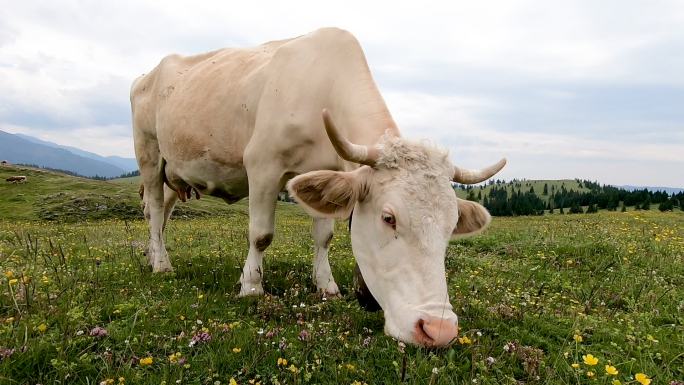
x=365 y=117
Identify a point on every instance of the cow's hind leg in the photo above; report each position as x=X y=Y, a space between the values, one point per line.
x=322 y=235
x=149 y=159
x=263 y=191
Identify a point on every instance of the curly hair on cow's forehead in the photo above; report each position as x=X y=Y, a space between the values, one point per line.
x=401 y=153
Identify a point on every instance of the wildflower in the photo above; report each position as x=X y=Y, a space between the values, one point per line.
x=146 y=361
x=13 y=281
x=366 y=341
x=616 y=382
x=642 y=379
x=282 y=361
x=650 y=338
x=108 y=381
x=590 y=374
x=200 y=337
x=293 y=368
x=175 y=358
x=590 y=360
x=6 y=353
x=232 y=381
x=42 y=328
x=350 y=367
x=98 y=332
x=578 y=338
x=490 y=360
x=464 y=340
x=304 y=335
x=575 y=365
x=237 y=350
x=611 y=370
x=9 y=274
x=122 y=380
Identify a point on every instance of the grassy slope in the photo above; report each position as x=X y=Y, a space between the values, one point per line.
x=55 y=196
x=528 y=284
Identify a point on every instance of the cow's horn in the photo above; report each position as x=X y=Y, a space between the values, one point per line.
x=345 y=149
x=476 y=176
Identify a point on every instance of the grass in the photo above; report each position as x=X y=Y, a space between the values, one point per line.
x=533 y=294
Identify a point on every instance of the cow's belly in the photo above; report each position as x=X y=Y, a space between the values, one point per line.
x=226 y=181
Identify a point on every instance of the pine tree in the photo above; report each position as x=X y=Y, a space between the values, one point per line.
x=546 y=189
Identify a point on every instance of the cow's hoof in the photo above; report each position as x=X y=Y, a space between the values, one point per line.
x=251 y=290
x=331 y=291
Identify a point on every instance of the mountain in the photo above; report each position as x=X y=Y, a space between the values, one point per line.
x=17 y=149
x=127 y=164
x=669 y=190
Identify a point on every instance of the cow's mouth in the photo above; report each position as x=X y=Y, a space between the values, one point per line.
x=363 y=295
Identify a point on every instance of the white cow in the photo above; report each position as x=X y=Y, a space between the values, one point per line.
x=234 y=123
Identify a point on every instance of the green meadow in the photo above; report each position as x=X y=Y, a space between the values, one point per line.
x=553 y=299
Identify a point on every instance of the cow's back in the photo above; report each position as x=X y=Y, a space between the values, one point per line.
x=209 y=112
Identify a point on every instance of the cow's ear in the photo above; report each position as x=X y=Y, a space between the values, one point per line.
x=472 y=219
x=329 y=194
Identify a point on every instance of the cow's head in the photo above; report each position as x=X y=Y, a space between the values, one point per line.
x=405 y=212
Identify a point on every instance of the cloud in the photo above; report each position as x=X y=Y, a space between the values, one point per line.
x=580 y=77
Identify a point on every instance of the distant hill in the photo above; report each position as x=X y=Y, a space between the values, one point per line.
x=536 y=197
x=669 y=190
x=127 y=164
x=18 y=149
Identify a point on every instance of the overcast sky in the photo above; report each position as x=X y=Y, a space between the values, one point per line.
x=563 y=89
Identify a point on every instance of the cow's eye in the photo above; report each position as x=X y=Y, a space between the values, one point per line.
x=389 y=219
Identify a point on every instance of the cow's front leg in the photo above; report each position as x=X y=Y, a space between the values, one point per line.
x=262 y=200
x=322 y=235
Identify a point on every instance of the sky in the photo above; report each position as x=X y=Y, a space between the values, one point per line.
x=562 y=89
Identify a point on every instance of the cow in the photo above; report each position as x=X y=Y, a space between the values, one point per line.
x=16 y=179
x=305 y=113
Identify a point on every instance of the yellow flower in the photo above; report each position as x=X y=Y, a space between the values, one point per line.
x=146 y=361
x=237 y=350
x=575 y=365
x=642 y=379
x=42 y=328
x=577 y=338
x=13 y=281
x=122 y=380
x=282 y=361
x=590 y=374
x=9 y=274
x=590 y=360
x=464 y=340
x=611 y=370
x=173 y=358
x=616 y=382
x=292 y=368
x=232 y=381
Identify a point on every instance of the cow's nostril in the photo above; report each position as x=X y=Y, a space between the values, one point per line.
x=420 y=335
x=435 y=332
